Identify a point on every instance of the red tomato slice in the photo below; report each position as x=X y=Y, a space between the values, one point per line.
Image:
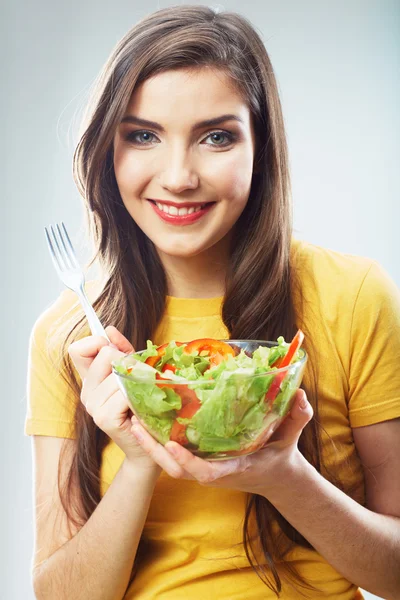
x=187 y=395
x=218 y=351
x=190 y=406
x=153 y=360
x=189 y=409
x=178 y=434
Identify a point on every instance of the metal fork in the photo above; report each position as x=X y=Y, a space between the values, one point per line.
x=70 y=272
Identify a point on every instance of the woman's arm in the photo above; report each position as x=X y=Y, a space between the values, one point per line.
x=97 y=561
x=363 y=545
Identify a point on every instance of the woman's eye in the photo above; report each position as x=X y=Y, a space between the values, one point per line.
x=146 y=138
x=141 y=138
x=220 y=138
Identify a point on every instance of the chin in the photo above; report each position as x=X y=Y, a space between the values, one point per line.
x=178 y=251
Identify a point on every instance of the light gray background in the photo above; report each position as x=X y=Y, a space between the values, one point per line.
x=337 y=65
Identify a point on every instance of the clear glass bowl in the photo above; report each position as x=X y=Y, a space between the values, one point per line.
x=238 y=423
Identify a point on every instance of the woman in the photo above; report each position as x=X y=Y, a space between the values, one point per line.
x=183 y=168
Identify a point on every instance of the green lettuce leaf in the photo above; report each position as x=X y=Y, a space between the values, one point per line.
x=159 y=426
x=151 y=350
x=232 y=394
x=288 y=388
x=216 y=444
x=149 y=399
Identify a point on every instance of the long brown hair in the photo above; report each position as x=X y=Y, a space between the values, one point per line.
x=260 y=282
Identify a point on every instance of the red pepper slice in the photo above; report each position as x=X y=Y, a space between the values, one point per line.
x=169 y=367
x=274 y=388
x=218 y=351
x=293 y=347
x=153 y=360
x=283 y=362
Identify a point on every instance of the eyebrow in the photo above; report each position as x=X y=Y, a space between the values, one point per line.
x=207 y=123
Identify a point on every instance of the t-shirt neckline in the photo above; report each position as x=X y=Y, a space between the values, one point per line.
x=193 y=307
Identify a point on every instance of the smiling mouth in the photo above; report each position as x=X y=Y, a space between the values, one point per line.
x=181 y=211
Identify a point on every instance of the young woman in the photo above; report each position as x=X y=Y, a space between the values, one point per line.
x=183 y=168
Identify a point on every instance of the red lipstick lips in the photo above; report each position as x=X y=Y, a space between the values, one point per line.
x=187 y=219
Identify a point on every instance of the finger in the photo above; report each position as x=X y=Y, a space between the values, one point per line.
x=84 y=351
x=101 y=367
x=157 y=452
x=204 y=471
x=112 y=412
x=104 y=391
x=119 y=340
x=298 y=417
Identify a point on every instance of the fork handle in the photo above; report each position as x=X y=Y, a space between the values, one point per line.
x=94 y=322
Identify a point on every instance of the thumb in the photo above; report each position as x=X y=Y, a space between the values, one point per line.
x=299 y=415
x=118 y=340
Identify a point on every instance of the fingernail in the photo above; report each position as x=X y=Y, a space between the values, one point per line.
x=172 y=450
x=303 y=403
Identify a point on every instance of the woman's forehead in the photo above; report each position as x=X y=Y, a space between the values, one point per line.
x=192 y=94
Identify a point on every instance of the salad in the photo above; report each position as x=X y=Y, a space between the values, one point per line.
x=217 y=398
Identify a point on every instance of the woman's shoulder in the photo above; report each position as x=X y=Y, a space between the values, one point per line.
x=314 y=259
x=341 y=280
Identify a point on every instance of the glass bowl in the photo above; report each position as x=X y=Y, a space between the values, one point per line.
x=232 y=416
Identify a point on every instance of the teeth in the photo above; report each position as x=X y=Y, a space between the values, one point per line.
x=173 y=210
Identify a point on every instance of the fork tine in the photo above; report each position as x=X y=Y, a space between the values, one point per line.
x=70 y=272
x=57 y=250
x=70 y=250
x=53 y=254
x=65 y=250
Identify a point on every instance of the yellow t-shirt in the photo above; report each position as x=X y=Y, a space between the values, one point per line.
x=193 y=534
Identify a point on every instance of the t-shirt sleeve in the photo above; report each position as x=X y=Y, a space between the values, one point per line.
x=51 y=401
x=374 y=380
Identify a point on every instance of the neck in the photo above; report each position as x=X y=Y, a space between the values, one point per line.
x=200 y=276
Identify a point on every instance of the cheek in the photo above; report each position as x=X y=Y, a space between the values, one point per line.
x=131 y=175
x=234 y=180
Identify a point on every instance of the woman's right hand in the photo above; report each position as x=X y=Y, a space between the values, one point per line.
x=101 y=396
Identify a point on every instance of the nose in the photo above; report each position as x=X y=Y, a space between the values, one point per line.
x=178 y=172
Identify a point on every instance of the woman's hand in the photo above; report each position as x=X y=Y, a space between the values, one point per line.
x=101 y=396
x=254 y=473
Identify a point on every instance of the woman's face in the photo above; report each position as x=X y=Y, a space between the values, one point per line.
x=183 y=159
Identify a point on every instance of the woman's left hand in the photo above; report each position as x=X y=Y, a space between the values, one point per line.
x=254 y=473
